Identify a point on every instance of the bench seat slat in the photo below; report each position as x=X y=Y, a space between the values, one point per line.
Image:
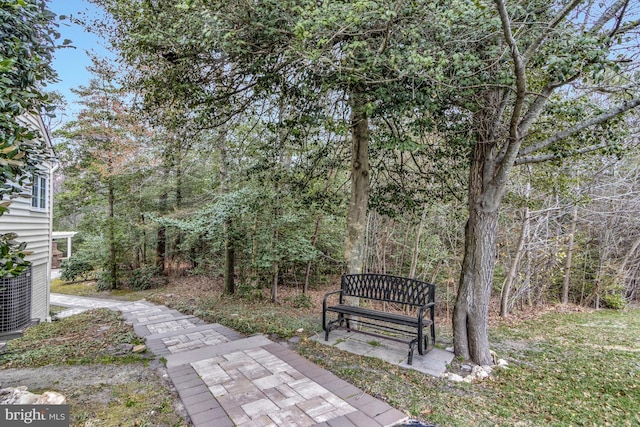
x=399 y=319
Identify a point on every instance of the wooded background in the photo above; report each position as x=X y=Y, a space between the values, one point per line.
x=282 y=143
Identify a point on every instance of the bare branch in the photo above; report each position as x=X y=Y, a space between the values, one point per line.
x=556 y=156
x=626 y=106
x=533 y=47
x=608 y=15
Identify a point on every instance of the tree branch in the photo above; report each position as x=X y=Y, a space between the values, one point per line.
x=608 y=15
x=514 y=141
x=556 y=156
x=533 y=47
x=626 y=106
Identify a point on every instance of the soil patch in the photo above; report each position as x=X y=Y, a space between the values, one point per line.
x=94 y=391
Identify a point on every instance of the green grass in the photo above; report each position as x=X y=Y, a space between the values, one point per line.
x=73 y=288
x=79 y=339
x=565 y=370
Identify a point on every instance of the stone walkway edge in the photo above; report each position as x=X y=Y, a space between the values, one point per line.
x=225 y=379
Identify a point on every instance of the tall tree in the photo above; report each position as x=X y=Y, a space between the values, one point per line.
x=103 y=146
x=509 y=78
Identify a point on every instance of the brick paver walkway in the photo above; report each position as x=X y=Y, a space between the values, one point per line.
x=225 y=379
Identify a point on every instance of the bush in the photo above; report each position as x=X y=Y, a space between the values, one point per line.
x=613 y=301
x=249 y=293
x=300 y=301
x=104 y=281
x=75 y=267
x=146 y=277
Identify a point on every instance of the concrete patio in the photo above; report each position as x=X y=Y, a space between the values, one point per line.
x=432 y=363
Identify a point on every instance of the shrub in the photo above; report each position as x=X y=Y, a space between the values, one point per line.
x=300 y=301
x=614 y=301
x=104 y=281
x=146 y=277
x=75 y=267
x=249 y=292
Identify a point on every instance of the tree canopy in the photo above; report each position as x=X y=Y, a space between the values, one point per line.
x=438 y=105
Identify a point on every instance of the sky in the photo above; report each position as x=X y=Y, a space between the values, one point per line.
x=71 y=63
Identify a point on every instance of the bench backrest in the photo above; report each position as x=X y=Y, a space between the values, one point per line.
x=383 y=287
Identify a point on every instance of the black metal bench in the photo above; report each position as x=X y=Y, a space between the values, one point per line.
x=418 y=296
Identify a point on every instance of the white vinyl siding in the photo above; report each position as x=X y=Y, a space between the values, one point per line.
x=31 y=226
x=30 y=219
x=40 y=292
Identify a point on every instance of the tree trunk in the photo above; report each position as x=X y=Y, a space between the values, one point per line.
x=471 y=312
x=161 y=239
x=113 y=262
x=229 y=247
x=314 y=240
x=357 y=217
x=511 y=276
x=567 y=266
x=161 y=245
x=229 y=260
x=416 y=245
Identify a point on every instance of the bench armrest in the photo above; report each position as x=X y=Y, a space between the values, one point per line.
x=324 y=310
x=326 y=297
x=424 y=308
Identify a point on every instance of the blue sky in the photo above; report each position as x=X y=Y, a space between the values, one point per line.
x=71 y=63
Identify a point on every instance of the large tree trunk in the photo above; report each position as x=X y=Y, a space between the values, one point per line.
x=357 y=217
x=471 y=313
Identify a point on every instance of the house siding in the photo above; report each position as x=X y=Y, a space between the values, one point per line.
x=33 y=226
x=40 y=292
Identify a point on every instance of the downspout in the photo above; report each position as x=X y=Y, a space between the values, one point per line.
x=55 y=167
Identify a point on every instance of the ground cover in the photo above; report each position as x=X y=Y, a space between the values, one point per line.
x=81 y=357
x=566 y=366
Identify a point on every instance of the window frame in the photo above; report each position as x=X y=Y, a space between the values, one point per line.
x=39 y=193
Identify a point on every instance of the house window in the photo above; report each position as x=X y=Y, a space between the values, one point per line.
x=39 y=192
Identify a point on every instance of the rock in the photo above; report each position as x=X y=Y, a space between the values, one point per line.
x=301 y=330
x=488 y=369
x=466 y=367
x=449 y=349
x=294 y=340
x=120 y=349
x=51 y=398
x=21 y=396
x=479 y=373
x=140 y=348
x=455 y=378
x=25 y=398
x=502 y=363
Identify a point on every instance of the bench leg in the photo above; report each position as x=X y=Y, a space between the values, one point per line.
x=412 y=347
